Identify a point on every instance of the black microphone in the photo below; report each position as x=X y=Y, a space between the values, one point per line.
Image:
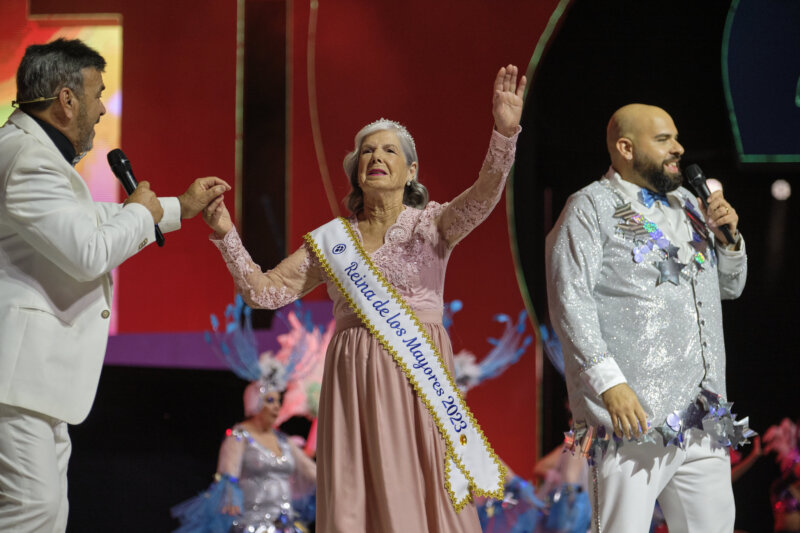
x=697 y=180
x=121 y=168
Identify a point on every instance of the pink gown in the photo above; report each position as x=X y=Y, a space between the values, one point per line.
x=380 y=458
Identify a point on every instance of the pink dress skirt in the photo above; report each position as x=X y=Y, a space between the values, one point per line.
x=380 y=456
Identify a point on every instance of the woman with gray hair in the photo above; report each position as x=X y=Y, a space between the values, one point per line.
x=414 y=194
x=390 y=457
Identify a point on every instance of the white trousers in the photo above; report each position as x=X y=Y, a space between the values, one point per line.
x=692 y=485
x=34 y=452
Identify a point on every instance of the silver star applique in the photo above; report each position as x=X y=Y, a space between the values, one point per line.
x=670 y=271
x=672 y=251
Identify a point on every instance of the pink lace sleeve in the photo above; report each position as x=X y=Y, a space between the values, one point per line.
x=293 y=278
x=472 y=206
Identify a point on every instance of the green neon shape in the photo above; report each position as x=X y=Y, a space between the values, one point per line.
x=538 y=51
x=737 y=136
x=797 y=94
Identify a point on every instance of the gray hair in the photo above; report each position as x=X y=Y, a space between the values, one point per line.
x=415 y=194
x=45 y=69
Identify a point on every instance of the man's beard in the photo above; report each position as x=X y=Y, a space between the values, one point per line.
x=85 y=131
x=655 y=176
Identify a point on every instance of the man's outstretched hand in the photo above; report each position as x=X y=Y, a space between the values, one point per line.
x=200 y=193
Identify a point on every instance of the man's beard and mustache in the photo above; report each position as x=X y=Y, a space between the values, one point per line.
x=85 y=131
x=655 y=176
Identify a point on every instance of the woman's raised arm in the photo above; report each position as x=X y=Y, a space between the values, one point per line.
x=471 y=207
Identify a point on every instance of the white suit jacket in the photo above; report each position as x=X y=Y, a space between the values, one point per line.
x=57 y=250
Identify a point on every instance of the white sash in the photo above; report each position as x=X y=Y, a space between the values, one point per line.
x=471 y=464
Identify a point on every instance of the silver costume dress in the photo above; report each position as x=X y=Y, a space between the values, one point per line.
x=263 y=479
x=634 y=295
x=259 y=483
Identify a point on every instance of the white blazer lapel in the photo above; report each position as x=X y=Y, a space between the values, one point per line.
x=23 y=121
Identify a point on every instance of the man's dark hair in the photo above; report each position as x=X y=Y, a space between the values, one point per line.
x=47 y=68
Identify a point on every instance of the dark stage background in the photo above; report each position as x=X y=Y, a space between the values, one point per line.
x=318 y=70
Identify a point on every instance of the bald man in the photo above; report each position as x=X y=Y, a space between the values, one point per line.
x=636 y=271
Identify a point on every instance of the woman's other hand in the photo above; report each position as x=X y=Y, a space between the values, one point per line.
x=217 y=217
x=507 y=100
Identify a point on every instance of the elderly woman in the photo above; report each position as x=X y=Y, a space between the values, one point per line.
x=381 y=451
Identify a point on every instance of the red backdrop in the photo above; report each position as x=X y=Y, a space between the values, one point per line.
x=426 y=65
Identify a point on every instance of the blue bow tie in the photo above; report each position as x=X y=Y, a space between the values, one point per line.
x=648 y=197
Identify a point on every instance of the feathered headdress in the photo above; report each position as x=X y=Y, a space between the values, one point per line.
x=783 y=439
x=507 y=350
x=295 y=368
x=552 y=347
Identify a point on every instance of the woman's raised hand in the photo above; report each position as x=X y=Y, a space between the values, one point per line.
x=507 y=100
x=217 y=217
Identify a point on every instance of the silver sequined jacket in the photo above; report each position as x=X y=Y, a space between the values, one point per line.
x=620 y=319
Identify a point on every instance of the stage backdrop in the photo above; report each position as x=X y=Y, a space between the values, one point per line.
x=427 y=65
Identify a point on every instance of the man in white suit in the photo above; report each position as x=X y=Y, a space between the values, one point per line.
x=57 y=250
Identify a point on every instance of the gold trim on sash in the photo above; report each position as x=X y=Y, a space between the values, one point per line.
x=458 y=502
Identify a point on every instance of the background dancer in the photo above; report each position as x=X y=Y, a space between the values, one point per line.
x=264 y=482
